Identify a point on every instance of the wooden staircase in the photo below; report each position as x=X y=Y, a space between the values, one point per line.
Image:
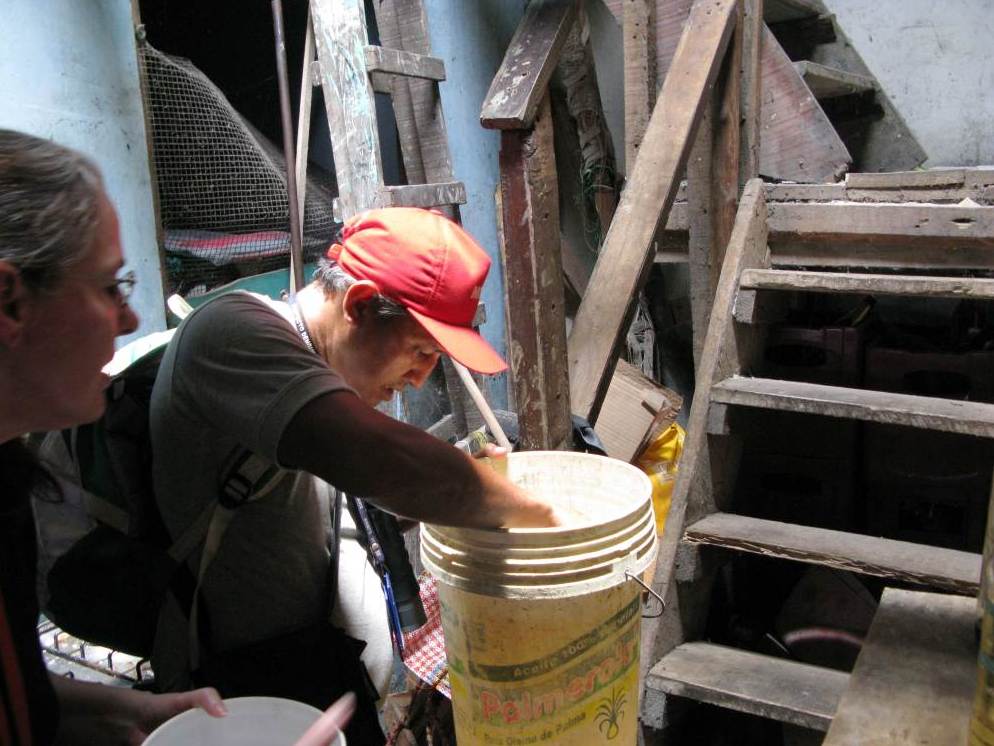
x=871 y=129
x=926 y=258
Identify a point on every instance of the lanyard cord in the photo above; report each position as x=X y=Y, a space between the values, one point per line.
x=298 y=321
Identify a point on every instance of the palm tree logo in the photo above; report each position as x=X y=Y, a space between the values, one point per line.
x=610 y=712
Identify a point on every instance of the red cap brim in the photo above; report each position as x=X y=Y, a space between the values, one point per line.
x=463 y=344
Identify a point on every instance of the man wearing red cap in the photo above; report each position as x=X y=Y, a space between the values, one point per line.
x=296 y=385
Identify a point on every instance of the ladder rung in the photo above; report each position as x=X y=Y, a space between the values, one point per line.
x=424 y=195
x=936 y=567
x=865 y=284
x=414 y=195
x=774 y=688
x=829 y=82
x=397 y=62
x=925 y=412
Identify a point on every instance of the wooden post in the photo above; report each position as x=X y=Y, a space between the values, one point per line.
x=534 y=302
x=638 y=30
x=713 y=186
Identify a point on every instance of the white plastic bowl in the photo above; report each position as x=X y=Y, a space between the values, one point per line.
x=251 y=721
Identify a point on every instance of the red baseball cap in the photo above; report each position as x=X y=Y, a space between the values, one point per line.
x=428 y=264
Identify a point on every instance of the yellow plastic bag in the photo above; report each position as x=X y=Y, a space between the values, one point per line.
x=660 y=460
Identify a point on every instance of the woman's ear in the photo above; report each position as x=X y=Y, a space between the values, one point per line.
x=357 y=299
x=13 y=295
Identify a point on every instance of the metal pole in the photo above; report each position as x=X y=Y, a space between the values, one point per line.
x=296 y=253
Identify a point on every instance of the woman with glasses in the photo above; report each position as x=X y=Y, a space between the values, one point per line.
x=63 y=301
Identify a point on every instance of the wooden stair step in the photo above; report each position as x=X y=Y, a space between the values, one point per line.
x=774 y=688
x=776 y=11
x=935 y=567
x=830 y=82
x=925 y=412
x=397 y=62
x=868 y=284
x=905 y=225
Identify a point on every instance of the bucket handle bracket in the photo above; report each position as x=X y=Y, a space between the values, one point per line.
x=662 y=604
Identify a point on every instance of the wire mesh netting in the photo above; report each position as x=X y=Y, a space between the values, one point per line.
x=222 y=185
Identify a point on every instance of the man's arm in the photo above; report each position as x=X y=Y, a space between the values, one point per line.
x=401 y=468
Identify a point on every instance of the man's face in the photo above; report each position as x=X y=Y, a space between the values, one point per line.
x=387 y=356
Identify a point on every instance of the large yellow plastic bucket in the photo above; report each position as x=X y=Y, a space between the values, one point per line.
x=542 y=625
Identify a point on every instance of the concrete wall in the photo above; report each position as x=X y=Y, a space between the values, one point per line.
x=934 y=61
x=68 y=72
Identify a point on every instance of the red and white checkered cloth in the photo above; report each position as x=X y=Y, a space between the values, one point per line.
x=424 y=648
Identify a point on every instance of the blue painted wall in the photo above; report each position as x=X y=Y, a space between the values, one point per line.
x=69 y=72
x=471 y=37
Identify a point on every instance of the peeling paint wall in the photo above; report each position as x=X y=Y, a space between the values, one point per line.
x=69 y=72
x=935 y=62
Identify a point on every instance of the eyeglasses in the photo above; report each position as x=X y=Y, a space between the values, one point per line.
x=123 y=287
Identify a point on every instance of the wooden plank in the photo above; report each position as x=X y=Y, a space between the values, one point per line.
x=340 y=37
x=519 y=85
x=914 y=680
x=638 y=33
x=627 y=254
x=725 y=353
x=533 y=280
x=935 y=567
x=911 y=225
x=799 y=142
x=774 y=688
x=397 y=62
x=423 y=195
x=924 y=412
x=829 y=82
x=836 y=282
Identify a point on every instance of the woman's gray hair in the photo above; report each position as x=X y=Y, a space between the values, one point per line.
x=335 y=280
x=49 y=207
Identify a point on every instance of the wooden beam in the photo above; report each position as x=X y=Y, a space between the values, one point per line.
x=519 y=85
x=925 y=412
x=638 y=33
x=902 y=561
x=862 y=284
x=533 y=278
x=340 y=37
x=627 y=254
x=915 y=677
x=761 y=685
x=397 y=62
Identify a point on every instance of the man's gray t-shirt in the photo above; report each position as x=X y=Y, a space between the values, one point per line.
x=233 y=377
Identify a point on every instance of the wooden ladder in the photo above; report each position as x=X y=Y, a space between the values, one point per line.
x=351 y=71
x=915 y=238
